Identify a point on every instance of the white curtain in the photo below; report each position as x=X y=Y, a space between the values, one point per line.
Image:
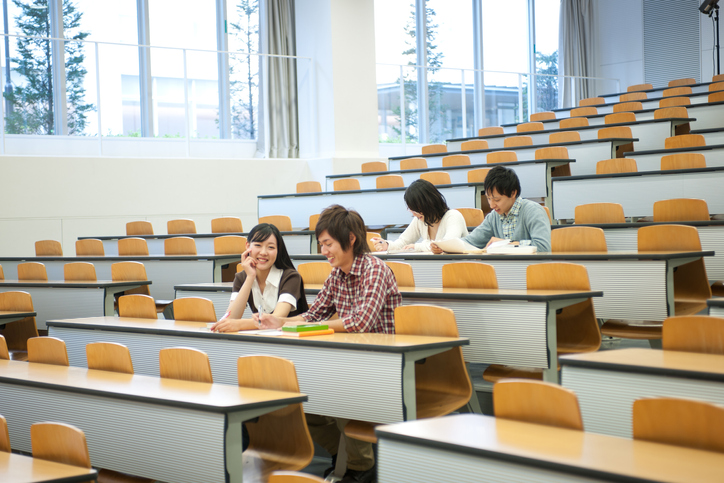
x=577 y=50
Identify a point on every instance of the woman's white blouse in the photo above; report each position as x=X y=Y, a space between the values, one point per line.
x=451 y=226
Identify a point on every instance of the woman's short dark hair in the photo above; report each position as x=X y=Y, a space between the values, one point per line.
x=262 y=232
x=340 y=222
x=504 y=180
x=422 y=197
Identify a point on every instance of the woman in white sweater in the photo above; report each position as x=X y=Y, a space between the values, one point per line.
x=433 y=220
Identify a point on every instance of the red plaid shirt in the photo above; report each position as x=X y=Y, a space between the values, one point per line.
x=365 y=298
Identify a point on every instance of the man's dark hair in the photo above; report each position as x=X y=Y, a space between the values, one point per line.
x=504 y=180
x=422 y=197
x=339 y=222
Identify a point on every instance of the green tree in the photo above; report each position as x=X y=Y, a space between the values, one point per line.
x=547 y=85
x=244 y=73
x=33 y=109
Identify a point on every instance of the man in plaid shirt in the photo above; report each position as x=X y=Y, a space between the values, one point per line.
x=362 y=290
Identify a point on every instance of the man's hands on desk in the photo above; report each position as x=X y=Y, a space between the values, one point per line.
x=268 y=321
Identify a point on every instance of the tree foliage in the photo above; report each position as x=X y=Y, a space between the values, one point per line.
x=547 y=85
x=244 y=72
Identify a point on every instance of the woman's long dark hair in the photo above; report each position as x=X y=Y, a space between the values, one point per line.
x=422 y=197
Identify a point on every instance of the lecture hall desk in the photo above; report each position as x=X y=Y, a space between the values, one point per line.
x=7 y=316
x=17 y=468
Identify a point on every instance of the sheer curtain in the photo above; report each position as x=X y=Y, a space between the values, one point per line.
x=577 y=50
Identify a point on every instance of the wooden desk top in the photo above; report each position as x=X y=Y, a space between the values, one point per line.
x=10 y=314
x=586 y=454
x=690 y=365
x=15 y=468
x=217 y=398
x=72 y=283
x=339 y=340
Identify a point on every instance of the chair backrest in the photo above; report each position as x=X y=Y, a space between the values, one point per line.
x=136 y=228
x=293 y=477
x=632 y=96
x=473 y=145
x=229 y=245
x=552 y=152
x=593 y=213
x=680 y=422
x=619 y=118
x=490 y=131
x=677 y=91
x=137 y=306
x=578 y=239
x=572 y=122
x=501 y=157
x=4 y=434
x=515 y=141
x=185 y=364
x=313 y=219
x=61 y=443
x=434 y=148
x=675 y=101
x=455 y=160
x=616 y=165
x=668 y=238
x=537 y=402
x=179 y=245
x=89 y=247
x=694 y=333
x=683 y=161
x=181 y=226
x=79 y=272
x=615 y=132
x=543 y=116
x=282 y=222
x=389 y=181
x=681 y=209
x=716 y=97
x=436 y=177
x=684 y=141
x=628 y=106
x=226 y=224
x=530 y=126
x=639 y=87
x=314 y=272
x=478 y=175
x=19 y=332
x=125 y=271
x=564 y=137
x=403 y=273
x=48 y=248
x=346 y=184
x=370 y=236
x=132 y=247
x=109 y=356
x=548 y=212
x=309 y=187
x=4 y=352
x=413 y=163
x=194 y=309
x=47 y=350
x=32 y=271
x=473 y=216
x=584 y=111
x=718 y=78
x=591 y=101
x=374 y=167
x=2 y=275
x=678 y=112
x=469 y=275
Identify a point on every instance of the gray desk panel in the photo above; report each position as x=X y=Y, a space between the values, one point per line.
x=67 y=303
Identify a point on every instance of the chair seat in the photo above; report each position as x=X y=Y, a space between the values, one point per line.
x=433 y=403
x=361 y=430
x=689 y=307
x=632 y=329
x=271 y=461
x=496 y=372
x=577 y=347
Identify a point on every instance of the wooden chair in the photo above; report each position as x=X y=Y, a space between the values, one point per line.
x=676 y=92
x=61 y=443
x=564 y=137
x=413 y=163
x=185 y=364
x=2 y=275
x=47 y=350
x=109 y=356
x=615 y=132
x=137 y=306
x=455 y=160
x=639 y=87
x=4 y=352
x=79 y=272
x=346 y=184
x=474 y=145
x=515 y=141
x=595 y=213
x=282 y=222
x=132 y=247
x=434 y=148
x=572 y=123
x=179 y=245
x=19 y=332
x=370 y=235
x=473 y=216
x=403 y=273
x=48 y=248
x=313 y=219
x=584 y=111
x=478 y=175
x=681 y=209
x=89 y=247
x=680 y=422
x=537 y=402
x=530 y=126
x=130 y=271
x=194 y=309
x=548 y=212
x=675 y=112
x=374 y=167
x=388 y=181
x=591 y=101
x=675 y=101
x=694 y=333
x=442 y=384
x=718 y=78
x=716 y=97
x=578 y=239
x=314 y=273
x=616 y=165
x=437 y=177
x=620 y=118
x=490 y=131
x=4 y=435
x=552 y=152
x=226 y=224
x=469 y=275
x=684 y=141
x=229 y=245
x=309 y=187
x=683 y=161
x=293 y=477
x=139 y=228
x=502 y=157
x=32 y=271
x=280 y=438
x=180 y=227
x=633 y=96
x=543 y=116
